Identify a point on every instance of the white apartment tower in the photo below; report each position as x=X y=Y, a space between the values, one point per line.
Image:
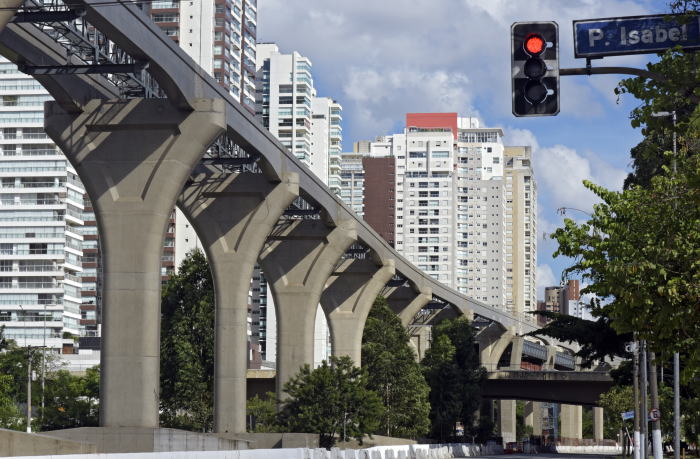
x=41 y=220
x=219 y=35
x=459 y=200
x=350 y=184
x=520 y=230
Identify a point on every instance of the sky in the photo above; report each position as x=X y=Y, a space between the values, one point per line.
x=382 y=59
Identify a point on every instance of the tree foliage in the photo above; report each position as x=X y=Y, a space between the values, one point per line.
x=263 y=411
x=331 y=400
x=187 y=347
x=394 y=374
x=71 y=401
x=614 y=402
x=640 y=252
x=455 y=376
x=597 y=339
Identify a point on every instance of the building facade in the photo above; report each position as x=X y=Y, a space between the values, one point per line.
x=219 y=35
x=454 y=206
x=41 y=224
x=520 y=229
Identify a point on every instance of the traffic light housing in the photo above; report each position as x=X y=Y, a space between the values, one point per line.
x=535 y=68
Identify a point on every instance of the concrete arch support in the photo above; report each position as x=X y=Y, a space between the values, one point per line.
x=299 y=258
x=406 y=302
x=347 y=299
x=8 y=9
x=233 y=214
x=493 y=341
x=133 y=157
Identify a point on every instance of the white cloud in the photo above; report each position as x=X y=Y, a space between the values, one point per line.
x=433 y=54
x=545 y=278
x=379 y=96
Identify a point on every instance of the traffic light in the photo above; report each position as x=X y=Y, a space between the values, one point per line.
x=535 y=68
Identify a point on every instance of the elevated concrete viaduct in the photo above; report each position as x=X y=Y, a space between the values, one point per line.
x=137 y=140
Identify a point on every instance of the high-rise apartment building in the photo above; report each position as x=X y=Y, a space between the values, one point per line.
x=520 y=229
x=351 y=182
x=310 y=128
x=219 y=35
x=565 y=299
x=41 y=222
x=453 y=205
x=380 y=188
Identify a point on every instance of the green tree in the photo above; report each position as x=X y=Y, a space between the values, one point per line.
x=442 y=373
x=614 y=402
x=10 y=416
x=70 y=400
x=639 y=251
x=187 y=347
x=331 y=400
x=471 y=375
x=597 y=339
x=263 y=411
x=394 y=374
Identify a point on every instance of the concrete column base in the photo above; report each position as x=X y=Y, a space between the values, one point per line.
x=507 y=420
x=598 y=423
x=533 y=417
x=571 y=424
x=133 y=157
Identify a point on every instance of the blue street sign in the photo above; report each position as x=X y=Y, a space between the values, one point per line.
x=627 y=415
x=634 y=35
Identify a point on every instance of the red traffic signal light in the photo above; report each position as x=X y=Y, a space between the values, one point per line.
x=535 y=68
x=534 y=44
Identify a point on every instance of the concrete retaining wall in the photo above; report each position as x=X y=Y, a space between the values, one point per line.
x=378 y=452
x=593 y=449
x=13 y=443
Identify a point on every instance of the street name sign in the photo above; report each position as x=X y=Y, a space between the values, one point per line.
x=627 y=415
x=594 y=38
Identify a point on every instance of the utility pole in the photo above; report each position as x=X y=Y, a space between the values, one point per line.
x=676 y=407
x=637 y=414
x=645 y=407
x=656 y=424
x=29 y=389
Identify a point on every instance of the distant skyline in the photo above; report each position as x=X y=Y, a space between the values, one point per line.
x=381 y=60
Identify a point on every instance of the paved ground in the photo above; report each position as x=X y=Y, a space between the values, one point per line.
x=548 y=456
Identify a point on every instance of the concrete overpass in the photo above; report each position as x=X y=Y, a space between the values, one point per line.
x=571 y=387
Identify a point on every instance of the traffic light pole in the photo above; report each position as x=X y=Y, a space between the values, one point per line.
x=588 y=70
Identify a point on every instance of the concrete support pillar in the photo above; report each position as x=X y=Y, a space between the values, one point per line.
x=133 y=157
x=516 y=352
x=551 y=358
x=233 y=214
x=571 y=424
x=533 y=417
x=598 y=423
x=8 y=9
x=347 y=299
x=298 y=260
x=507 y=420
x=493 y=341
